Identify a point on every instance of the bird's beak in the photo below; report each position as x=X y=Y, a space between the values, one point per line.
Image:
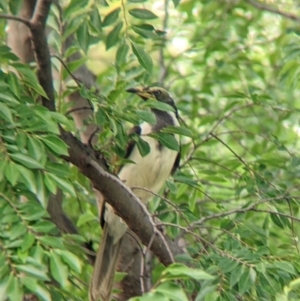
x=140 y=92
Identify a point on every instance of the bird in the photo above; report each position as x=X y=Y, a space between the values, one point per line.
x=149 y=172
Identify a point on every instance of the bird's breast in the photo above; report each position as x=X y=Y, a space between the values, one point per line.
x=149 y=173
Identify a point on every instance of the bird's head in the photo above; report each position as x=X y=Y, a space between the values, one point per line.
x=156 y=93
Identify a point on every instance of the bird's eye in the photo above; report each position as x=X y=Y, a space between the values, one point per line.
x=157 y=92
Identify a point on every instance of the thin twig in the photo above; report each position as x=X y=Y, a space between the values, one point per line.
x=163 y=67
x=164 y=199
x=274 y=10
x=16 y=18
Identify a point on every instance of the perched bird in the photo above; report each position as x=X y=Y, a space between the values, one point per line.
x=149 y=172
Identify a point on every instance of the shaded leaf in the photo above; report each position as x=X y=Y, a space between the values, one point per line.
x=111 y=17
x=142 y=13
x=122 y=53
x=167 y=140
x=5 y=112
x=113 y=36
x=58 y=269
x=142 y=145
x=56 y=144
x=142 y=56
x=26 y=160
x=146 y=116
x=32 y=270
x=71 y=260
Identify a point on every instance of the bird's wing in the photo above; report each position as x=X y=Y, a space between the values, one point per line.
x=176 y=163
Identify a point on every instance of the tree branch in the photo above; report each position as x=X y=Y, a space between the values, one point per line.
x=121 y=198
x=274 y=10
x=41 y=50
x=16 y=18
x=125 y=203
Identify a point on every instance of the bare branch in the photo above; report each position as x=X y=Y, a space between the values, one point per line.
x=16 y=18
x=244 y=210
x=41 y=51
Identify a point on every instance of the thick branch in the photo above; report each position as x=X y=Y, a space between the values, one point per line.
x=125 y=203
x=41 y=51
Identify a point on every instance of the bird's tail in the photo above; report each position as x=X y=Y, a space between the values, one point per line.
x=104 y=268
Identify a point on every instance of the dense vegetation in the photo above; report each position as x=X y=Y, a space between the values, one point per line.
x=232 y=68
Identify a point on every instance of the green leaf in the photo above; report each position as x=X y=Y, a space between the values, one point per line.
x=113 y=36
x=60 y=118
x=236 y=275
x=58 y=169
x=54 y=242
x=245 y=282
x=142 y=56
x=5 y=113
x=21 y=140
x=63 y=184
x=96 y=18
x=50 y=183
x=41 y=193
x=85 y=218
x=178 y=130
x=58 y=269
x=29 y=78
x=167 y=140
x=158 y=105
x=43 y=226
x=144 y=33
x=142 y=13
x=83 y=36
x=122 y=53
x=33 y=271
x=172 y=291
x=111 y=17
x=177 y=270
x=14 y=289
x=8 y=98
x=146 y=116
x=43 y=293
x=101 y=117
x=57 y=145
x=30 y=283
x=17 y=230
x=71 y=260
x=136 y=1
x=27 y=177
x=12 y=173
x=176 y=2
x=28 y=242
x=26 y=160
x=3 y=164
x=284 y=266
x=142 y=145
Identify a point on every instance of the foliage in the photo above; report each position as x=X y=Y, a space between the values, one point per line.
x=233 y=71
